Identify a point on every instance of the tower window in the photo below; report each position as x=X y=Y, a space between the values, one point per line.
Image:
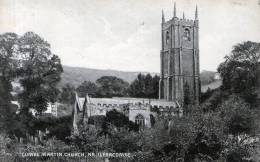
x=167 y=37
x=186 y=36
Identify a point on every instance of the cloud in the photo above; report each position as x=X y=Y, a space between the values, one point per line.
x=126 y=35
x=107 y=30
x=117 y=56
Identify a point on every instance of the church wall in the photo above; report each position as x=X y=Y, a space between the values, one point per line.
x=177 y=62
x=191 y=86
x=165 y=87
x=187 y=62
x=166 y=58
x=175 y=35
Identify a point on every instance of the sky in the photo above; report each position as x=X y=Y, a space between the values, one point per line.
x=126 y=34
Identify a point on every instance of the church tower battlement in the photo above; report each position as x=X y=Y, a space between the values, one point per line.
x=179 y=75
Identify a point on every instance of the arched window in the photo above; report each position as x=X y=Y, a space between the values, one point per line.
x=139 y=120
x=152 y=120
x=167 y=37
x=186 y=35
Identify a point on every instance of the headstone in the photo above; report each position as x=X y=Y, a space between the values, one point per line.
x=21 y=139
x=40 y=135
x=36 y=140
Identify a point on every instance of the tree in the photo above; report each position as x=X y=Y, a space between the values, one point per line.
x=8 y=44
x=144 y=86
x=111 y=86
x=124 y=141
x=40 y=72
x=89 y=140
x=239 y=70
x=87 y=87
x=57 y=127
x=238 y=116
x=155 y=85
x=67 y=94
x=8 y=47
x=247 y=51
x=241 y=126
x=148 y=85
x=6 y=114
x=137 y=87
x=119 y=120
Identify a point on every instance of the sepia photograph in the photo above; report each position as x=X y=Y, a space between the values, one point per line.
x=129 y=80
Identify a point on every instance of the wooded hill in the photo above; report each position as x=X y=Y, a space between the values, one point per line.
x=76 y=75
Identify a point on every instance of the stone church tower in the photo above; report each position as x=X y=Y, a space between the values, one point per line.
x=179 y=56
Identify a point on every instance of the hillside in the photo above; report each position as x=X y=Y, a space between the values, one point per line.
x=76 y=75
x=215 y=84
x=209 y=79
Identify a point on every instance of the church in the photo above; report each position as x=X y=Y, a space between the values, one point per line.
x=138 y=110
x=179 y=79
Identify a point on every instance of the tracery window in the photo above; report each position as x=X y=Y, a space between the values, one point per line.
x=139 y=120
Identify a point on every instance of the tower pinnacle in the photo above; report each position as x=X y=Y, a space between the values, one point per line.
x=196 y=13
x=183 y=16
x=174 y=10
x=163 y=20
